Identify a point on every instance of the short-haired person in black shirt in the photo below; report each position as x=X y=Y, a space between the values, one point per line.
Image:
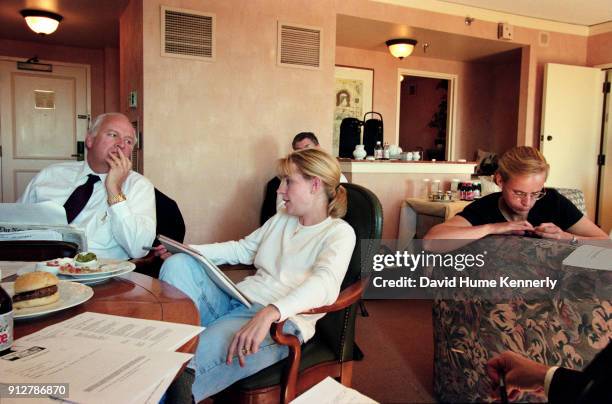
x=523 y=207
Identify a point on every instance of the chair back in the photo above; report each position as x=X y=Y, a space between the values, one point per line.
x=170 y=221
x=365 y=215
x=575 y=196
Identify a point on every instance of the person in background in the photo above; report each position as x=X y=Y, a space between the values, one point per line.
x=301 y=256
x=560 y=385
x=272 y=201
x=114 y=205
x=523 y=207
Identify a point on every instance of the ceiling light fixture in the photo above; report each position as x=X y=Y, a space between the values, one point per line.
x=401 y=47
x=41 y=22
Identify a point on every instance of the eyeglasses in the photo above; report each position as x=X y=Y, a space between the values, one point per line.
x=534 y=195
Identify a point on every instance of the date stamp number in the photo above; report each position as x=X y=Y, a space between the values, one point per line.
x=33 y=390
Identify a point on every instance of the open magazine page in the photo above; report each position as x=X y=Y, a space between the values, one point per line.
x=213 y=271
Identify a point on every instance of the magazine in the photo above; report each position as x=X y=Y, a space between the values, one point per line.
x=213 y=271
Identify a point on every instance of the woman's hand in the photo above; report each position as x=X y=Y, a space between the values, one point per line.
x=161 y=252
x=518 y=227
x=551 y=230
x=251 y=335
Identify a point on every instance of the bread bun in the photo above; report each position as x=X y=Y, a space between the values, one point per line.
x=41 y=301
x=35 y=289
x=34 y=280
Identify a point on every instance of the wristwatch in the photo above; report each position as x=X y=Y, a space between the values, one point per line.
x=113 y=199
x=574 y=240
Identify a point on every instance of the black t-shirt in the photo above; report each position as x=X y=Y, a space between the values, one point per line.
x=552 y=208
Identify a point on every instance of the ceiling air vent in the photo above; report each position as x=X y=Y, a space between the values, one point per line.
x=187 y=34
x=299 y=46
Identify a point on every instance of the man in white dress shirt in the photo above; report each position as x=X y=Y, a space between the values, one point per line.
x=118 y=214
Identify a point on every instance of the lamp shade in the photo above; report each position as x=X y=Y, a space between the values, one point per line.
x=41 y=22
x=402 y=47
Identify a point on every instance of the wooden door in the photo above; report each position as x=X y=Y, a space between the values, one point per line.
x=571 y=127
x=605 y=197
x=42 y=116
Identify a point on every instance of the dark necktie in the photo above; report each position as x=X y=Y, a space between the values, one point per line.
x=79 y=197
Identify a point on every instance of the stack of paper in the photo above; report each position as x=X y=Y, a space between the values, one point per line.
x=103 y=358
x=330 y=391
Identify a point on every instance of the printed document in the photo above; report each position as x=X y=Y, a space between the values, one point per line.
x=92 y=327
x=590 y=256
x=329 y=391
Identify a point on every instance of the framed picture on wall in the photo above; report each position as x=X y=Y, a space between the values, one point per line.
x=352 y=96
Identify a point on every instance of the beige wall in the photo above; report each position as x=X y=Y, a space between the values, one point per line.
x=600 y=49
x=104 y=89
x=487 y=96
x=561 y=48
x=214 y=130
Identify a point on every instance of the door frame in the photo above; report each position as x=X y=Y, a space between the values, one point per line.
x=55 y=63
x=452 y=104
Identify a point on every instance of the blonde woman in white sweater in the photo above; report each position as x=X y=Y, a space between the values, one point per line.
x=301 y=255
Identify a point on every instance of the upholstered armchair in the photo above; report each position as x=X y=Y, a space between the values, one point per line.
x=170 y=223
x=330 y=351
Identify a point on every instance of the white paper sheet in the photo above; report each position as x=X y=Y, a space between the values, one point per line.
x=95 y=373
x=590 y=256
x=92 y=328
x=9 y=268
x=329 y=391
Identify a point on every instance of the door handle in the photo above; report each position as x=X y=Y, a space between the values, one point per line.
x=549 y=138
x=80 y=154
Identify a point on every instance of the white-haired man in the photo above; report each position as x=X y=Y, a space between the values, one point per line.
x=114 y=205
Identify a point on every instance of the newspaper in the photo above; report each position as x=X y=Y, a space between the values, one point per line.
x=213 y=271
x=102 y=358
x=70 y=234
x=38 y=221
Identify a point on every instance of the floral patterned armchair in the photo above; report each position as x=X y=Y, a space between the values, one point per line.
x=566 y=329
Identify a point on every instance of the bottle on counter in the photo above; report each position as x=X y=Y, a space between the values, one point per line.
x=6 y=320
x=426 y=188
x=477 y=189
x=386 y=152
x=435 y=186
x=378 y=151
x=469 y=191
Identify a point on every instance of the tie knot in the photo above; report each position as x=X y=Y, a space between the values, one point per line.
x=92 y=178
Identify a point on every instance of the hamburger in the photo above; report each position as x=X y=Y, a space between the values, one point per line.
x=35 y=289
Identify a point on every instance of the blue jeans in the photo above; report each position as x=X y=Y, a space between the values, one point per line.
x=222 y=316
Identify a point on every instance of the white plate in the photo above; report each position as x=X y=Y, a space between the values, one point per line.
x=71 y=294
x=105 y=267
x=90 y=279
x=121 y=268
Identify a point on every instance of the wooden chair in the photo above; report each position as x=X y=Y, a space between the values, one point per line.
x=330 y=351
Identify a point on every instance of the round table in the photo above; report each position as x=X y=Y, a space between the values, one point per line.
x=132 y=295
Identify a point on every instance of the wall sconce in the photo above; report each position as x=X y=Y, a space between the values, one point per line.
x=41 y=22
x=402 y=47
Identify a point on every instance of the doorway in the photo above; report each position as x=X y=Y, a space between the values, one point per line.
x=42 y=117
x=426 y=113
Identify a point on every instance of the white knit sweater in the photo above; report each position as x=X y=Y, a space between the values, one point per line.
x=298 y=267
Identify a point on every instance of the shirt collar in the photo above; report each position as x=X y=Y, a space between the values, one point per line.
x=86 y=170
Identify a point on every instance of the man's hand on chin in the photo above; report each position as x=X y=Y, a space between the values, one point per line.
x=120 y=167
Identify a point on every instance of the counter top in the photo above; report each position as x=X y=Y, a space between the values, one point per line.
x=403 y=166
